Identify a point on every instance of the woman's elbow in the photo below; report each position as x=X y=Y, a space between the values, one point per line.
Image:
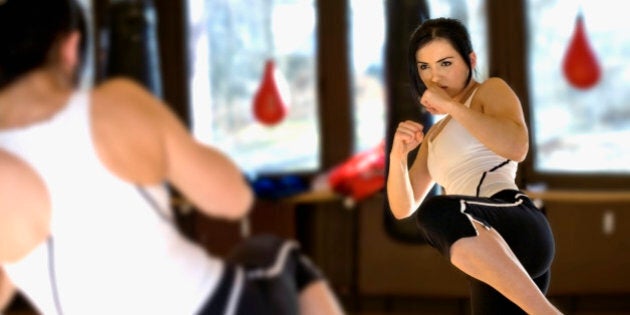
x=241 y=204
x=402 y=215
x=400 y=212
x=515 y=150
x=519 y=152
x=230 y=204
x=247 y=202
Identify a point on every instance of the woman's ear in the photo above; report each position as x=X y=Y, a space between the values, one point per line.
x=69 y=52
x=473 y=60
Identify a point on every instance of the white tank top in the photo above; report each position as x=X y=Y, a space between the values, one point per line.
x=112 y=250
x=464 y=166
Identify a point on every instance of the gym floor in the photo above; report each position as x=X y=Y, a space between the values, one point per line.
x=588 y=305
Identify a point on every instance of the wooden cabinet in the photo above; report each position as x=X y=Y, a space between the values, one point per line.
x=592 y=235
x=592 y=247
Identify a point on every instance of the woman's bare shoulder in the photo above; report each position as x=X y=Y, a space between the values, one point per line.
x=117 y=84
x=18 y=177
x=120 y=91
x=496 y=93
x=24 y=207
x=493 y=85
x=124 y=99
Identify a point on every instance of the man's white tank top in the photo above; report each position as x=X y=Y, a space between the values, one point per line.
x=464 y=166
x=114 y=247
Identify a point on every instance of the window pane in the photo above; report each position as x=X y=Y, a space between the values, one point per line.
x=368 y=39
x=230 y=41
x=580 y=124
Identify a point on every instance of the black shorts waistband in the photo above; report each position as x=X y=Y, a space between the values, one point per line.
x=511 y=195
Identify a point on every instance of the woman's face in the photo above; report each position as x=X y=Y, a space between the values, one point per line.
x=441 y=65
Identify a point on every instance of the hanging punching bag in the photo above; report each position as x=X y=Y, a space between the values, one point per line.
x=271 y=98
x=580 y=65
x=131 y=43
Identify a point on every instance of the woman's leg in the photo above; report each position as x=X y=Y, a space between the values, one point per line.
x=488 y=258
x=486 y=300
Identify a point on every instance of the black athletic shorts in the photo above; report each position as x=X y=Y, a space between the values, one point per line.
x=264 y=275
x=445 y=219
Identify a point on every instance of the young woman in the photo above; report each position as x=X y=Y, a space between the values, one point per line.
x=84 y=218
x=482 y=223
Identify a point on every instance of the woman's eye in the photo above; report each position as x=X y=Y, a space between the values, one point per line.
x=446 y=63
x=423 y=67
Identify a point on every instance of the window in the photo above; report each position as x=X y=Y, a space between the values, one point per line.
x=580 y=115
x=230 y=41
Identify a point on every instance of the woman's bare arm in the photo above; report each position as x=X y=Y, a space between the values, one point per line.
x=495 y=117
x=204 y=175
x=406 y=188
x=7 y=290
x=502 y=115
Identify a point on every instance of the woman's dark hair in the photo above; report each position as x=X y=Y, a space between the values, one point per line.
x=449 y=29
x=30 y=28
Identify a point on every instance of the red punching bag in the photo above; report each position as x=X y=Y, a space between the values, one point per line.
x=361 y=175
x=270 y=101
x=580 y=65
